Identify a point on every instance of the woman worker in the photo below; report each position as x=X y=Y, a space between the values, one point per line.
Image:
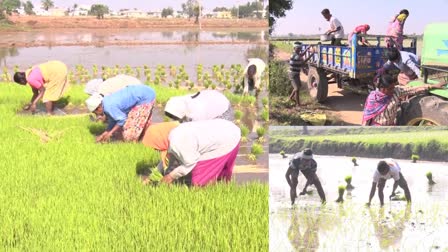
x=204 y=105
x=205 y=150
x=360 y=29
x=395 y=30
x=48 y=82
x=381 y=105
x=129 y=109
x=156 y=137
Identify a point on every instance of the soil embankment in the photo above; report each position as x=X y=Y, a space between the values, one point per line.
x=430 y=151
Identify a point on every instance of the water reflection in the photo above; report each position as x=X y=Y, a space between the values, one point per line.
x=167 y=34
x=8 y=52
x=257 y=35
x=303 y=232
x=389 y=229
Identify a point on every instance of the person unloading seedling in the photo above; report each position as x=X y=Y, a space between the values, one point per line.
x=303 y=162
x=386 y=169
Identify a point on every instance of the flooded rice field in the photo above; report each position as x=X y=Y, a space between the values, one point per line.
x=188 y=55
x=351 y=226
x=139 y=35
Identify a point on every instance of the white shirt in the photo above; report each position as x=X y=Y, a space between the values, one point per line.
x=260 y=65
x=192 y=142
x=209 y=104
x=335 y=23
x=394 y=171
x=116 y=83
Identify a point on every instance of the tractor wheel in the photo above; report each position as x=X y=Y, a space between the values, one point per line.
x=317 y=84
x=427 y=110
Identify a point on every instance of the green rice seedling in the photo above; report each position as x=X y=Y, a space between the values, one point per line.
x=341 y=190
x=348 y=180
x=16 y=68
x=138 y=72
x=265 y=102
x=261 y=131
x=191 y=84
x=265 y=115
x=252 y=157
x=244 y=132
x=95 y=70
x=213 y=86
x=429 y=177
x=207 y=84
x=238 y=115
x=157 y=80
x=283 y=154
x=173 y=70
x=256 y=149
x=171 y=84
x=414 y=158
x=354 y=161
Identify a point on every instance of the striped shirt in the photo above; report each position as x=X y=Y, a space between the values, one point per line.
x=295 y=63
x=389 y=115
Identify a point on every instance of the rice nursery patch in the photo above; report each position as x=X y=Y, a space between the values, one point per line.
x=68 y=193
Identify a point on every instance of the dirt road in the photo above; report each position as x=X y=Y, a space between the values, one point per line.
x=342 y=104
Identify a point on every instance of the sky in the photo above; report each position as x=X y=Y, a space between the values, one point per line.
x=306 y=17
x=146 y=5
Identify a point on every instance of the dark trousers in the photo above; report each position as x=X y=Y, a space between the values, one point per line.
x=401 y=183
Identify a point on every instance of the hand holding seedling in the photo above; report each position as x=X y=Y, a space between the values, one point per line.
x=167 y=179
x=33 y=108
x=103 y=137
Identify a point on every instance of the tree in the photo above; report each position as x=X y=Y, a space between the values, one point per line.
x=47 y=4
x=191 y=8
x=247 y=10
x=220 y=9
x=167 y=12
x=9 y=5
x=277 y=9
x=28 y=7
x=99 y=10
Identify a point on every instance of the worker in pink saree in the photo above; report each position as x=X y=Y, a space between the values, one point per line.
x=395 y=30
x=202 y=152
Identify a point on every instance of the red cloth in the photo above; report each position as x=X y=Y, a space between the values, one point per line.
x=208 y=171
x=361 y=29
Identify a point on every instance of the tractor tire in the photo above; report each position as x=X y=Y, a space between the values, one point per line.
x=426 y=110
x=317 y=84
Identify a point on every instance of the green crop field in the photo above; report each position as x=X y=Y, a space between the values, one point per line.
x=440 y=136
x=60 y=191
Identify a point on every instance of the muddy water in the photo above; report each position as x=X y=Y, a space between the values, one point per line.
x=188 y=55
x=351 y=226
x=167 y=35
